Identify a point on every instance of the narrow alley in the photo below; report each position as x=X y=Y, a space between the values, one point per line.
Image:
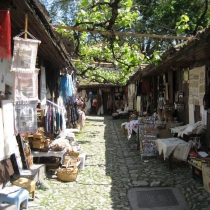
x=112 y=168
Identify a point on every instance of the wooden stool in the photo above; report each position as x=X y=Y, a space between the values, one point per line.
x=27 y=184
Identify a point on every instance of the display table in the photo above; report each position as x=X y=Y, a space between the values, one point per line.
x=176 y=147
x=50 y=153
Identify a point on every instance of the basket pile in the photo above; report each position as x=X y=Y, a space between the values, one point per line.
x=68 y=174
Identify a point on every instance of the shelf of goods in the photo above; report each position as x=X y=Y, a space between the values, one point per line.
x=147 y=134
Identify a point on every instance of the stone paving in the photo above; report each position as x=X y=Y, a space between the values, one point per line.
x=112 y=167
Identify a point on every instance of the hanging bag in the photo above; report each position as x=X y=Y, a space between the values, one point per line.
x=94 y=102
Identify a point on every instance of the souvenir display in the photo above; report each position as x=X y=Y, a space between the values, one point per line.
x=147 y=133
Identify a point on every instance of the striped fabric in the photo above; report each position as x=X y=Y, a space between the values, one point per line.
x=25 y=116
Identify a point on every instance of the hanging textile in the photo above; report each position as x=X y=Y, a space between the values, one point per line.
x=47 y=119
x=63 y=121
x=131 y=90
x=5 y=34
x=100 y=103
x=145 y=87
x=84 y=93
x=58 y=120
x=66 y=88
x=74 y=113
x=10 y=141
x=43 y=89
x=25 y=86
x=2 y=146
x=25 y=116
x=138 y=104
x=25 y=54
x=52 y=121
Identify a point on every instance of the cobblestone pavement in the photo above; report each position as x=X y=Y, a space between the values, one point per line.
x=112 y=167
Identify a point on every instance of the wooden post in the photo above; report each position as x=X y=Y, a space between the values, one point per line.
x=26 y=26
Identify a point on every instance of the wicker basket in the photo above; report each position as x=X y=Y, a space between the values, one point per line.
x=68 y=174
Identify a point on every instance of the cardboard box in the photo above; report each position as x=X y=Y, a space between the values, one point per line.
x=206 y=178
x=39 y=137
x=166 y=133
x=38 y=144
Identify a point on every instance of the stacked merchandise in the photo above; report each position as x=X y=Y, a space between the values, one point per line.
x=72 y=160
x=147 y=134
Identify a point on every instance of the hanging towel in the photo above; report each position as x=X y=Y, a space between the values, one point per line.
x=5 y=34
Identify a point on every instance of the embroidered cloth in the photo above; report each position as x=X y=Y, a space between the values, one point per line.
x=177 y=146
x=25 y=54
x=25 y=116
x=26 y=86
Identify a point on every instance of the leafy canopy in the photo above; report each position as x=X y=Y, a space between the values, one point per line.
x=111 y=58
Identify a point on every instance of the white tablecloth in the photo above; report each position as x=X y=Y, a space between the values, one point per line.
x=177 y=146
x=50 y=154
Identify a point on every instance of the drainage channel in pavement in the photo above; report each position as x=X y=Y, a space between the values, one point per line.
x=156 y=199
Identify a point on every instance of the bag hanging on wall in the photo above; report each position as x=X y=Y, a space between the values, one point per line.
x=94 y=102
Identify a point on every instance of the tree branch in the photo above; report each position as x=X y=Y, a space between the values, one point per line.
x=201 y=17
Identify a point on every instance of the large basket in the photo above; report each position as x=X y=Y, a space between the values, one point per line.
x=68 y=174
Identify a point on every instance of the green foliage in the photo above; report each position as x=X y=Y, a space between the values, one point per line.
x=182 y=25
x=162 y=17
